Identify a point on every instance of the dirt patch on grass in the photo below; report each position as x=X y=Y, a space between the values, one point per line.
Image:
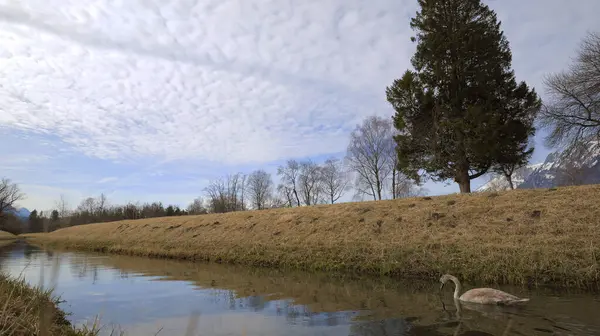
x=522 y=237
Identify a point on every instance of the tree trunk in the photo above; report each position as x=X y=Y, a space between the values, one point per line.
x=394 y=183
x=463 y=180
x=378 y=185
x=510 y=182
x=297 y=198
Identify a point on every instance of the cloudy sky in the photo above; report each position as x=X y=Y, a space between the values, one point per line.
x=147 y=100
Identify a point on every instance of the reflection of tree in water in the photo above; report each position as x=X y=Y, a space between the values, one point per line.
x=300 y=314
x=5 y=252
x=29 y=251
x=387 y=327
x=81 y=270
x=404 y=327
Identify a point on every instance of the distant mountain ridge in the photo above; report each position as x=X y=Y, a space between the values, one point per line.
x=577 y=165
x=21 y=213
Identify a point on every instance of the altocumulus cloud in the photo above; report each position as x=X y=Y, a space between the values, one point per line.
x=222 y=83
x=232 y=82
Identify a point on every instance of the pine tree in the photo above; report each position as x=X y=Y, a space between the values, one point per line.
x=460 y=113
x=54 y=216
x=170 y=211
x=35 y=222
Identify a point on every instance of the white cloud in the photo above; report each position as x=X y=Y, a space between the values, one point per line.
x=188 y=86
x=107 y=179
x=231 y=82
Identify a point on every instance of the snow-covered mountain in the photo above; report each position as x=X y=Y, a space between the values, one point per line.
x=578 y=165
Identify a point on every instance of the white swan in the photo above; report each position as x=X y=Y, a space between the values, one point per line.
x=482 y=295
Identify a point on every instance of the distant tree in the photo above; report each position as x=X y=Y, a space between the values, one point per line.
x=87 y=206
x=259 y=188
x=289 y=174
x=334 y=179
x=405 y=187
x=572 y=112
x=197 y=207
x=286 y=194
x=63 y=207
x=368 y=155
x=455 y=111
x=152 y=210
x=10 y=193
x=35 y=222
x=224 y=195
x=178 y=211
x=310 y=183
x=170 y=211
x=54 y=217
x=101 y=204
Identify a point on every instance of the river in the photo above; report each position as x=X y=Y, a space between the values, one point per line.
x=143 y=296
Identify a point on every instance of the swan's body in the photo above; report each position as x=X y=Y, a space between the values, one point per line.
x=482 y=295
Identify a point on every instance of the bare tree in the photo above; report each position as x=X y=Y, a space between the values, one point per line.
x=334 y=179
x=289 y=177
x=218 y=196
x=572 y=112
x=197 y=207
x=368 y=155
x=224 y=194
x=310 y=183
x=259 y=188
x=405 y=187
x=63 y=207
x=277 y=201
x=10 y=193
x=101 y=204
x=242 y=192
x=88 y=205
x=286 y=194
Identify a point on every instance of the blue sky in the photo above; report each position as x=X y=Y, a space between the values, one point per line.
x=148 y=100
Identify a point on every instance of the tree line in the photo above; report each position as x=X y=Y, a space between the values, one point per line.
x=459 y=113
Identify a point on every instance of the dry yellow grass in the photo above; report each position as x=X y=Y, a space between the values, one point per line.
x=7 y=235
x=31 y=311
x=515 y=237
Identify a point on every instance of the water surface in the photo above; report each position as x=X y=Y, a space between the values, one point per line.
x=148 y=296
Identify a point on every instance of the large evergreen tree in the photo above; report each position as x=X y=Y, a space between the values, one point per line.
x=460 y=113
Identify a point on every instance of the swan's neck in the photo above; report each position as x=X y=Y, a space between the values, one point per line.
x=457 y=287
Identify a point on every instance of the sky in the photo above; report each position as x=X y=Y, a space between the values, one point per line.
x=148 y=100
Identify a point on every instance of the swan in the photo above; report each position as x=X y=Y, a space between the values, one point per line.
x=481 y=295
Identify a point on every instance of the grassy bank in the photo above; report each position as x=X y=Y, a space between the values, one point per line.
x=31 y=311
x=515 y=237
x=7 y=235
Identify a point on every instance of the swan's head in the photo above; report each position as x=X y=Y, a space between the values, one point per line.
x=445 y=278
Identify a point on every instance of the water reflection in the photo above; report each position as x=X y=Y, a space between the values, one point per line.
x=144 y=296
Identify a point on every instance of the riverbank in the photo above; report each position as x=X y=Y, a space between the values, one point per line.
x=31 y=311
x=520 y=237
x=7 y=236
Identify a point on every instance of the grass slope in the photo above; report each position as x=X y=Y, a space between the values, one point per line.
x=31 y=311
x=515 y=237
x=7 y=235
